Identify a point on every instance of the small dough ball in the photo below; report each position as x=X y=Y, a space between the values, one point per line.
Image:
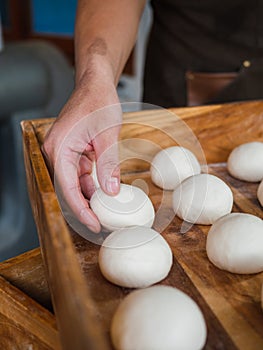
x=172 y=165
x=235 y=243
x=202 y=199
x=158 y=318
x=245 y=162
x=260 y=193
x=129 y=207
x=135 y=257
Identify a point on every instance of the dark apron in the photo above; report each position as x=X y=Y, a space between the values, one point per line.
x=208 y=51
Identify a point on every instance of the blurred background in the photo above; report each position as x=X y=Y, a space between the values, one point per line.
x=36 y=79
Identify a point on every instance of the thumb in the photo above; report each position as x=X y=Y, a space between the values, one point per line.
x=107 y=159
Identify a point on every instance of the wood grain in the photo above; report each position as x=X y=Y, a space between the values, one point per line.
x=24 y=324
x=26 y=272
x=230 y=302
x=211 y=132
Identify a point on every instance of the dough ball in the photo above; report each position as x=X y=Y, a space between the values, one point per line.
x=202 y=199
x=245 y=162
x=172 y=165
x=135 y=257
x=235 y=243
x=158 y=318
x=260 y=193
x=131 y=206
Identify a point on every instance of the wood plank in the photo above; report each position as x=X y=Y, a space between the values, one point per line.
x=24 y=323
x=211 y=132
x=26 y=272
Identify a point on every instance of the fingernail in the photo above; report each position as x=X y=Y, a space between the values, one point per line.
x=112 y=185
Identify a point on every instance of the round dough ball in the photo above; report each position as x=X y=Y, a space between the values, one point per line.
x=202 y=199
x=135 y=257
x=235 y=243
x=260 y=193
x=172 y=165
x=245 y=162
x=158 y=318
x=129 y=207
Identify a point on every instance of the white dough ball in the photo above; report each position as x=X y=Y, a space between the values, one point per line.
x=158 y=318
x=172 y=165
x=245 y=162
x=235 y=243
x=260 y=193
x=135 y=257
x=131 y=206
x=202 y=199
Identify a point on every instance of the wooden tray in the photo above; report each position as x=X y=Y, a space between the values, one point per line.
x=83 y=300
x=26 y=321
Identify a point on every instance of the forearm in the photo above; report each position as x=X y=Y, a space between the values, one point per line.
x=104 y=36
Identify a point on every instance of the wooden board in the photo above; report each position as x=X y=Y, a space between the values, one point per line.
x=26 y=273
x=83 y=300
x=24 y=324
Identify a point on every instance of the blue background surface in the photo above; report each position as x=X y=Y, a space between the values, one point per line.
x=54 y=16
x=48 y=16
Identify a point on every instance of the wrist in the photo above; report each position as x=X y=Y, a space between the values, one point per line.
x=94 y=68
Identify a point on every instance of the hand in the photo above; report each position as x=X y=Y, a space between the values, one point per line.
x=87 y=128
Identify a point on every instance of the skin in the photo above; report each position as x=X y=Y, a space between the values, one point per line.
x=104 y=36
